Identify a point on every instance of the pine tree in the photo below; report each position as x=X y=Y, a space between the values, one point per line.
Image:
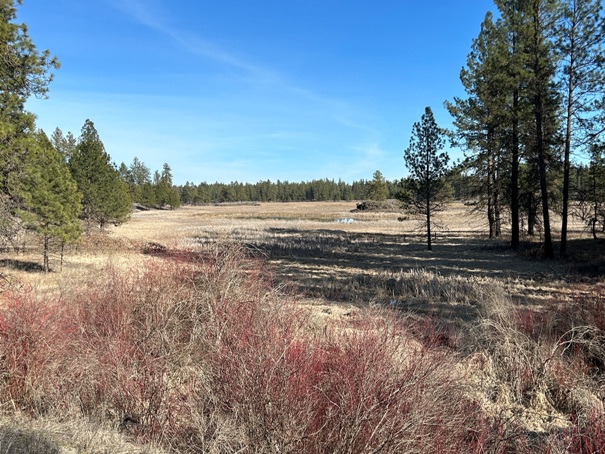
x=189 y=194
x=24 y=72
x=49 y=199
x=427 y=166
x=378 y=187
x=541 y=70
x=512 y=25
x=482 y=120
x=139 y=182
x=580 y=37
x=590 y=193
x=64 y=144
x=124 y=174
x=105 y=197
x=511 y=115
x=166 y=193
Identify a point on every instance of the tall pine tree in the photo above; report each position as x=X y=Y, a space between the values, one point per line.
x=24 y=72
x=482 y=120
x=166 y=193
x=105 y=197
x=64 y=144
x=540 y=21
x=511 y=25
x=580 y=40
x=427 y=166
x=48 y=195
x=378 y=187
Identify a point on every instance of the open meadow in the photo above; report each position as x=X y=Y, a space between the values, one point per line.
x=302 y=327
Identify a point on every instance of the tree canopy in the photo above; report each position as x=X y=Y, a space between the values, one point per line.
x=24 y=72
x=105 y=197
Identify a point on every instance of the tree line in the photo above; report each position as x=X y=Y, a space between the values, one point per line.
x=457 y=186
x=64 y=186
x=535 y=86
x=534 y=104
x=286 y=191
x=57 y=186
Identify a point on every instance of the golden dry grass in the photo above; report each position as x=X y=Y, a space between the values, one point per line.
x=312 y=244
x=339 y=262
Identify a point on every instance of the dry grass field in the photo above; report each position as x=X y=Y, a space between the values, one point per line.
x=324 y=248
x=303 y=327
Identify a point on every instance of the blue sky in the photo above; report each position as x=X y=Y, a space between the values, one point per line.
x=250 y=90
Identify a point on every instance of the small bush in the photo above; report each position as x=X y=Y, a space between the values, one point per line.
x=33 y=336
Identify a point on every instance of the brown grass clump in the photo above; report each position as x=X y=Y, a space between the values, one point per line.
x=539 y=373
x=50 y=435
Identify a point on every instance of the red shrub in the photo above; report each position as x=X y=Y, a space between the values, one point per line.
x=585 y=437
x=361 y=389
x=34 y=336
x=192 y=347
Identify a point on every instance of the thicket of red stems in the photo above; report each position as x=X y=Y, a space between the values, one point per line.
x=199 y=352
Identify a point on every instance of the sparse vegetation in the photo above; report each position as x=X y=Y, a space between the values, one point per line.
x=221 y=344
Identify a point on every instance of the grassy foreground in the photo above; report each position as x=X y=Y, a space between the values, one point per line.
x=207 y=346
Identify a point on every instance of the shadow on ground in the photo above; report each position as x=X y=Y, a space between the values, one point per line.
x=386 y=268
x=26 y=441
x=21 y=265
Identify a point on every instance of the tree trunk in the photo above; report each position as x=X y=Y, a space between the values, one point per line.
x=490 y=188
x=567 y=151
x=514 y=176
x=497 y=215
x=62 y=254
x=542 y=162
x=595 y=204
x=496 y=189
x=540 y=84
x=46 y=240
x=428 y=199
x=428 y=222
x=490 y=218
x=531 y=217
x=514 y=195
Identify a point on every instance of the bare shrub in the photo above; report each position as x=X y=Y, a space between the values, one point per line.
x=131 y=347
x=33 y=334
x=540 y=369
x=382 y=391
x=363 y=388
x=579 y=326
x=587 y=437
x=148 y=338
x=575 y=333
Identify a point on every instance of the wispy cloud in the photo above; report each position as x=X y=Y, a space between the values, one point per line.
x=369 y=157
x=282 y=118
x=153 y=15
x=146 y=12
